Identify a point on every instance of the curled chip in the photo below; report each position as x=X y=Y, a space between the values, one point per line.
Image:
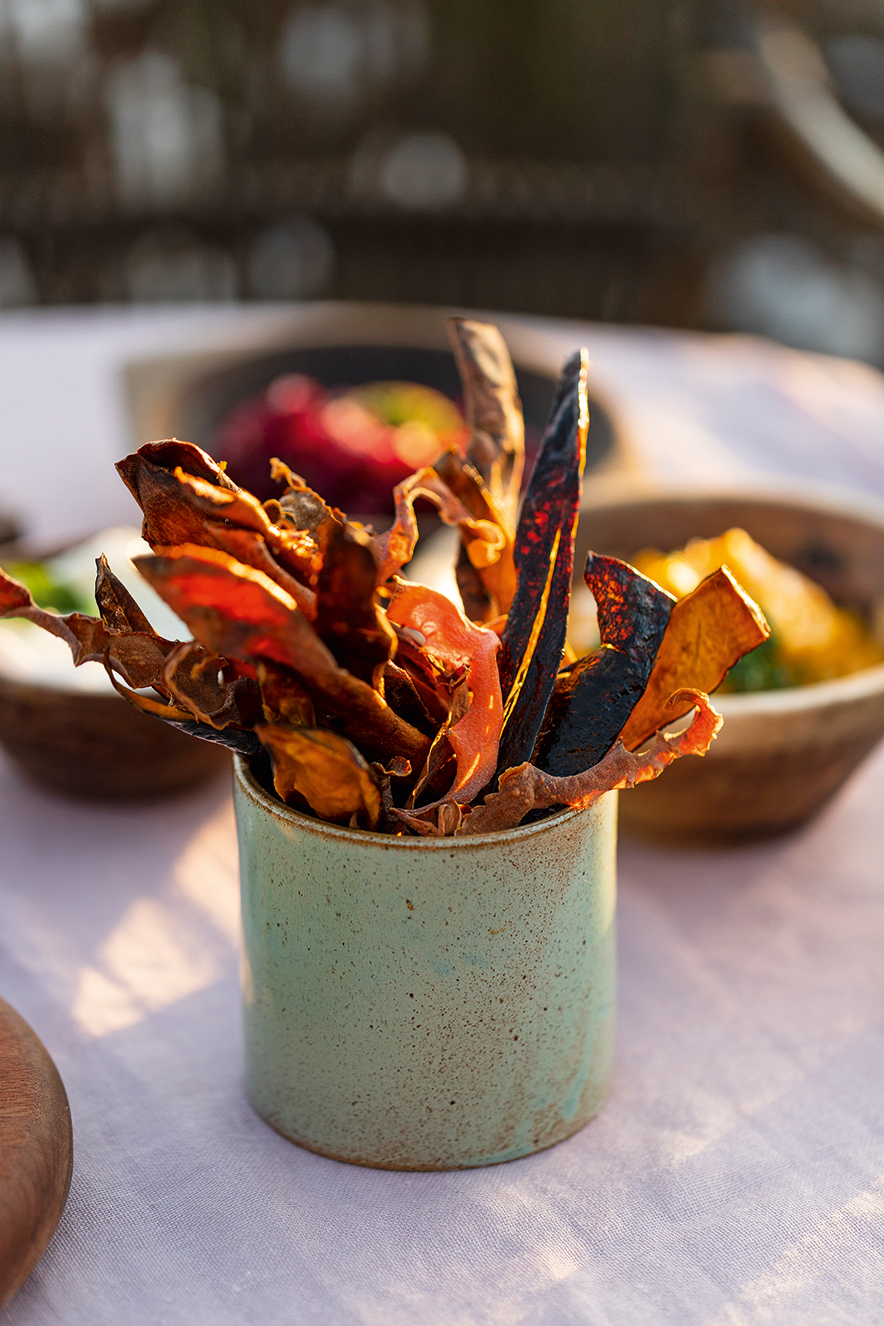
x=708 y=631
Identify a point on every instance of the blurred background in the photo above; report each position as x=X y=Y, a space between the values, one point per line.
x=695 y=163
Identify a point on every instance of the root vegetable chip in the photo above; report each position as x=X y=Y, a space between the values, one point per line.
x=125 y=639
x=488 y=478
x=299 y=506
x=168 y=455
x=187 y=498
x=401 y=691
x=347 y=617
x=248 y=546
x=533 y=640
x=493 y=410
x=485 y=567
x=195 y=681
x=485 y=537
x=149 y=474
x=458 y=643
x=15 y=598
x=708 y=631
x=199 y=701
x=283 y=698
x=290 y=556
x=327 y=771
x=595 y=696
x=242 y=741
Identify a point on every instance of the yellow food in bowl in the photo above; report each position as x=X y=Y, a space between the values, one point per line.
x=812 y=639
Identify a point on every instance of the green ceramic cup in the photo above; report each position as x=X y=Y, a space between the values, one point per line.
x=426 y=1003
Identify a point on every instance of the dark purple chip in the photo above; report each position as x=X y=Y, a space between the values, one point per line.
x=595 y=696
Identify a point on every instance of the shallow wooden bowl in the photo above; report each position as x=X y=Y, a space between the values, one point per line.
x=781 y=754
x=98 y=746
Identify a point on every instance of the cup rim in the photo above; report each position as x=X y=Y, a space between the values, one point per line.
x=252 y=789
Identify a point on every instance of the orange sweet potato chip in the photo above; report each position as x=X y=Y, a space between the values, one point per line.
x=708 y=630
x=326 y=770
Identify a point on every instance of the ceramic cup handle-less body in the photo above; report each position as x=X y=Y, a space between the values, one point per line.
x=416 y=1003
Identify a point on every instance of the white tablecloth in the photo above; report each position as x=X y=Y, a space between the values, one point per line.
x=736 y=1176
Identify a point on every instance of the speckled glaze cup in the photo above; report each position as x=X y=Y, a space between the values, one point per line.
x=426 y=1003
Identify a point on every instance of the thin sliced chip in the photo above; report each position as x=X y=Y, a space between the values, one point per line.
x=395 y=547
x=595 y=696
x=440 y=771
x=402 y=694
x=493 y=410
x=528 y=788
x=459 y=643
x=426 y=676
x=243 y=741
x=301 y=507
x=533 y=640
x=168 y=453
x=236 y=505
x=294 y=550
x=118 y=608
x=437 y=776
x=398 y=769
x=347 y=616
x=186 y=498
x=244 y=511
x=195 y=680
x=170 y=517
x=486 y=568
x=486 y=536
x=190 y=675
x=444 y=821
x=708 y=631
x=326 y=770
x=15 y=598
x=283 y=698
x=488 y=478
x=249 y=547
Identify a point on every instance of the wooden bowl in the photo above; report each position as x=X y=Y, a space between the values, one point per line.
x=36 y=1150
x=98 y=746
x=781 y=754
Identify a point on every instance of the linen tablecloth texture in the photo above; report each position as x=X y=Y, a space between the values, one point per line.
x=736 y=1176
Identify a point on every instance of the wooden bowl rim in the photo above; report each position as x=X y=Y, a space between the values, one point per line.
x=619 y=493
x=606 y=491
